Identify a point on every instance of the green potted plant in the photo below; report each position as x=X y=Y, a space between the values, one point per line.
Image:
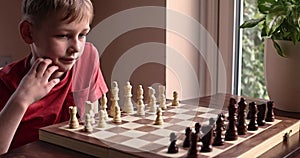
x=280 y=20
x=280 y=26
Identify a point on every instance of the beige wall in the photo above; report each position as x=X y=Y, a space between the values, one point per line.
x=205 y=68
x=11 y=44
x=182 y=55
x=128 y=44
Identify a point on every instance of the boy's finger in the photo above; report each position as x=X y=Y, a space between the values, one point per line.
x=42 y=67
x=35 y=65
x=53 y=82
x=49 y=71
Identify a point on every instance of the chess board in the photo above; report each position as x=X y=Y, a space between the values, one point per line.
x=137 y=136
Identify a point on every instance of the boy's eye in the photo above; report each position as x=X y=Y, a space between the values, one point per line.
x=62 y=36
x=82 y=35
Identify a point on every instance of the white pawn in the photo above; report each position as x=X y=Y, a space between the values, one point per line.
x=140 y=102
x=117 y=116
x=103 y=105
x=73 y=122
x=175 y=101
x=140 y=108
x=162 y=97
x=114 y=98
x=87 y=125
x=89 y=110
x=152 y=100
x=128 y=106
x=159 y=120
x=102 y=121
x=140 y=93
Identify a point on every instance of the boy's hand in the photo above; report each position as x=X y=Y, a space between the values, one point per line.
x=36 y=84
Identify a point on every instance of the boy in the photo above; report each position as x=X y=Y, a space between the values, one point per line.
x=62 y=70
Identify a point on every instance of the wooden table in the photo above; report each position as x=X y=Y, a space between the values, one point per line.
x=40 y=149
x=289 y=149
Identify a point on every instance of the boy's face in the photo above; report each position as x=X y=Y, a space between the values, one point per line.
x=60 y=41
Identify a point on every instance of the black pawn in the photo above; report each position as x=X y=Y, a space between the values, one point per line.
x=231 y=132
x=173 y=147
x=242 y=126
x=219 y=131
x=270 y=114
x=193 y=153
x=207 y=139
x=197 y=130
x=261 y=114
x=187 y=142
x=252 y=126
x=248 y=115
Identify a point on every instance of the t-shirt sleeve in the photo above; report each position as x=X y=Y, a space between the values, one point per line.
x=88 y=82
x=5 y=94
x=97 y=86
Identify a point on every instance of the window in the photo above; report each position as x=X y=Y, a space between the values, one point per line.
x=250 y=80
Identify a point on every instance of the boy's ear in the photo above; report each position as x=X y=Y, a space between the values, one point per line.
x=25 y=28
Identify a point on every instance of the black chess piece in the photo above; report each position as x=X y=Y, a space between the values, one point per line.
x=207 y=139
x=252 y=126
x=197 y=130
x=193 y=153
x=219 y=131
x=187 y=142
x=173 y=147
x=270 y=113
x=241 y=125
x=231 y=132
x=248 y=115
x=261 y=114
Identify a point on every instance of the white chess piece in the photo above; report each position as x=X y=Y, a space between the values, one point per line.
x=117 y=116
x=159 y=120
x=73 y=122
x=175 y=101
x=102 y=121
x=140 y=102
x=152 y=100
x=162 y=97
x=87 y=125
x=114 y=98
x=140 y=93
x=128 y=106
x=90 y=110
x=103 y=105
x=140 y=108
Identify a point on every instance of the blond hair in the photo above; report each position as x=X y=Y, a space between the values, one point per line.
x=72 y=10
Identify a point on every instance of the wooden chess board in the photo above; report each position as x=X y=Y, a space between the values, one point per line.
x=137 y=136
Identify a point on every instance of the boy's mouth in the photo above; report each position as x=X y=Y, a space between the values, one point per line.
x=67 y=60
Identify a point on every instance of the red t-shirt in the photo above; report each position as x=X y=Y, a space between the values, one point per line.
x=83 y=82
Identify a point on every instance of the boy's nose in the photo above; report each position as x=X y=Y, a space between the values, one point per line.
x=74 y=45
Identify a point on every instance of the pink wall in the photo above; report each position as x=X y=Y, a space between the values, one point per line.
x=146 y=74
x=11 y=44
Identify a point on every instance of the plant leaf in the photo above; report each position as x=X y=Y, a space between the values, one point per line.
x=252 y=22
x=273 y=21
x=278 y=48
x=264 y=6
x=263 y=30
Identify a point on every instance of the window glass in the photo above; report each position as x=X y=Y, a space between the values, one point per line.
x=252 y=83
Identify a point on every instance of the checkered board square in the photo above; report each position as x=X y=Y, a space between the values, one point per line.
x=138 y=134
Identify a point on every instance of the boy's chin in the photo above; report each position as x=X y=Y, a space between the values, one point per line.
x=57 y=74
x=60 y=73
